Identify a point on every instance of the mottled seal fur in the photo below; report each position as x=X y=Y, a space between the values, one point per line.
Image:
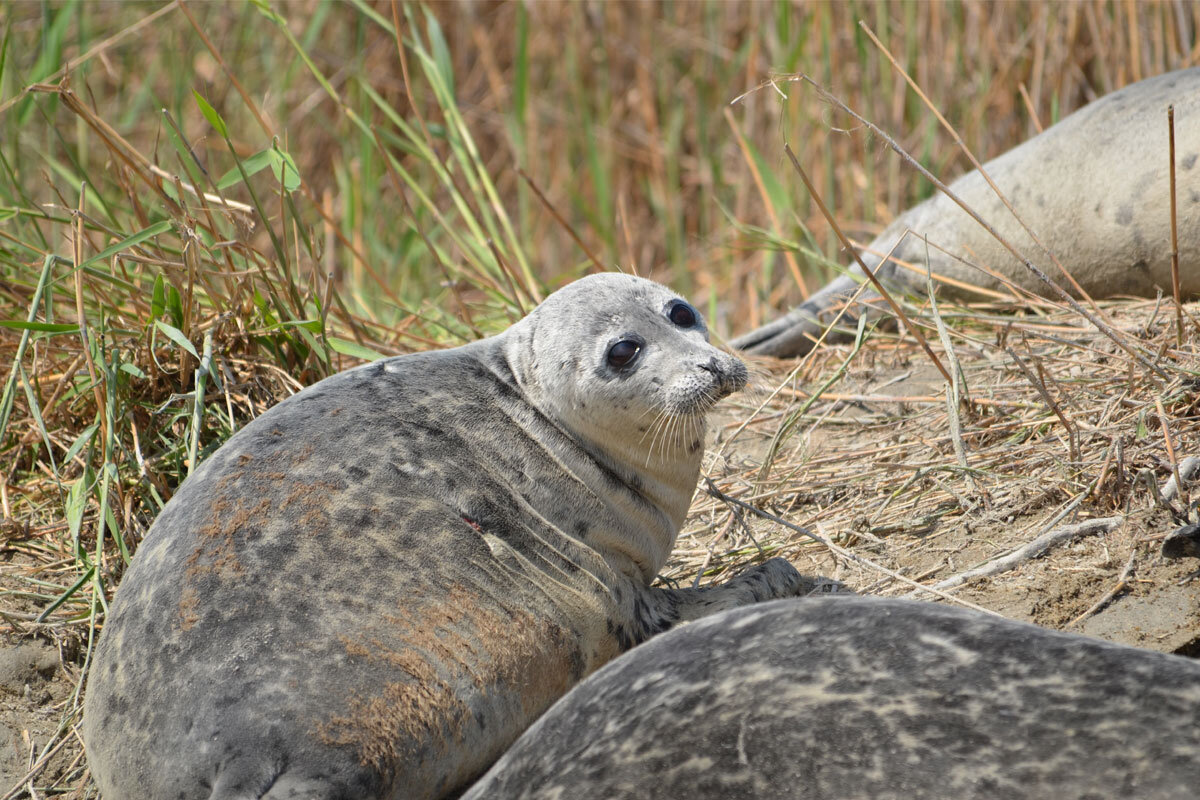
x=1094 y=188
x=865 y=698
x=373 y=588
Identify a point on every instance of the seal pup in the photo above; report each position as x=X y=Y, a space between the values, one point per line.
x=1094 y=188
x=373 y=588
x=866 y=698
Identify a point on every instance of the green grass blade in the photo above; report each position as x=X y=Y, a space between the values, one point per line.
x=67 y=595
x=176 y=336
x=10 y=386
x=45 y=327
x=131 y=241
x=211 y=115
x=353 y=349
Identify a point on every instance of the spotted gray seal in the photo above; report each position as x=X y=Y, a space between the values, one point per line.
x=373 y=588
x=866 y=698
x=1093 y=187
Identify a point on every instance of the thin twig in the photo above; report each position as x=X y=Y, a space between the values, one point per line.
x=1029 y=106
x=37 y=767
x=956 y=399
x=1166 y=431
x=1122 y=583
x=804 y=362
x=752 y=165
x=596 y=262
x=1072 y=437
x=1032 y=550
x=1174 y=234
x=837 y=229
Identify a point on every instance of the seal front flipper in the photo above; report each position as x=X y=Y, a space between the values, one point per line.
x=795 y=333
x=774 y=579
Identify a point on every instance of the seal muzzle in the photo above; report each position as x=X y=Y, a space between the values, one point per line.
x=729 y=375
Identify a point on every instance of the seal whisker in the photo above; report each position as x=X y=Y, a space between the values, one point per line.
x=652 y=427
x=662 y=424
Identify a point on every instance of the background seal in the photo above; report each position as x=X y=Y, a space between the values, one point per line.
x=1094 y=188
x=856 y=697
x=373 y=588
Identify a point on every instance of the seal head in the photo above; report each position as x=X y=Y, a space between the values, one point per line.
x=624 y=365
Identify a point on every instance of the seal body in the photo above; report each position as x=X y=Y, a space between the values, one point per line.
x=1094 y=188
x=866 y=698
x=373 y=588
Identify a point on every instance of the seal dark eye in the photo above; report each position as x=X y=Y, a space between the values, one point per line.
x=623 y=353
x=682 y=315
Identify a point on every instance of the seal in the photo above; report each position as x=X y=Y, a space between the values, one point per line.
x=1094 y=188
x=841 y=697
x=373 y=588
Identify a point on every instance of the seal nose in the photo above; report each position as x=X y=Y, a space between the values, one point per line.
x=729 y=376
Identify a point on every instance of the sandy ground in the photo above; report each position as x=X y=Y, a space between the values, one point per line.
x=39 y=676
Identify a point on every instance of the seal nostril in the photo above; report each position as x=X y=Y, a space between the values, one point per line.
x=725 y=380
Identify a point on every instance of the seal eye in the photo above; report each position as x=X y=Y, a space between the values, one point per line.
x=623 y=353
x=682 y=315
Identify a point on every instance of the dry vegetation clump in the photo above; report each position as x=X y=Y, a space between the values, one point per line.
x=913 y=486
x=205 y=206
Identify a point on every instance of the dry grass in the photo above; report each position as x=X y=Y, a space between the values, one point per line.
x=882 y=464
x=148 y=321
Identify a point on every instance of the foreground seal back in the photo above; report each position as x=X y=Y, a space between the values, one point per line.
x=1094 y=188
x=374 y=587
x=865 y=698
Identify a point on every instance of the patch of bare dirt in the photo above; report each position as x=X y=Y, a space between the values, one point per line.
x=40 y=669
x=35 y=702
